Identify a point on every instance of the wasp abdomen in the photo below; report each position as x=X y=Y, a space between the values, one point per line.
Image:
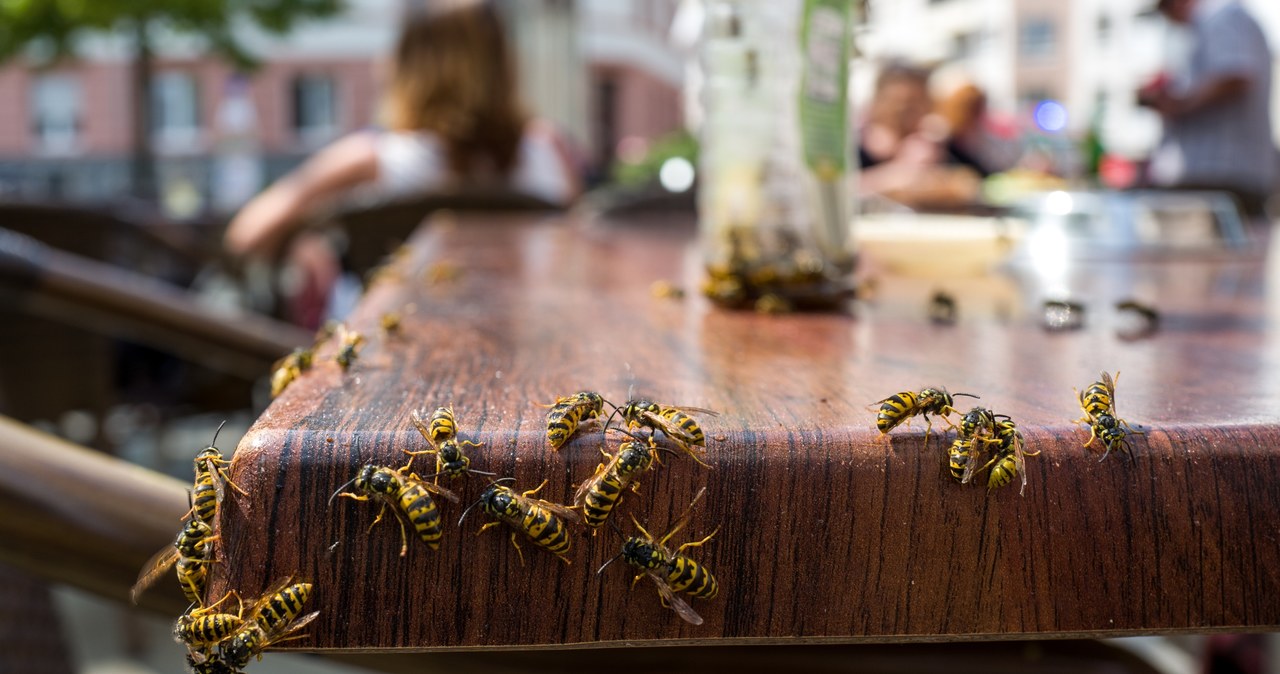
x=691 y=577
x=546 y=530
x=422 y=511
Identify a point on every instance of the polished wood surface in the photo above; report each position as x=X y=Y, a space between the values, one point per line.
x=828 y=532
x=71 y=515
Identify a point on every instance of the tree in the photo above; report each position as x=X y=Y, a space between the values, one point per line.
x=47 y=30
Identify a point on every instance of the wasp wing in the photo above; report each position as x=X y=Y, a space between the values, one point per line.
x=580 y=494
x=155 y=567
x=563 y=512
x=680 y=606
x=423 y=427
x=414 y=479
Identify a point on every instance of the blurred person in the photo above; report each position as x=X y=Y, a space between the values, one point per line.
x=1216 y=110
x=453 y=118
x=902 y=147
x=973 y=138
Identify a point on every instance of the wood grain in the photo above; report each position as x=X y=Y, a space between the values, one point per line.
x=828 y=532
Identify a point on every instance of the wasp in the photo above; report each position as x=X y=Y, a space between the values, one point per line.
x=674 y=423
x=1099 y=406
x=963 y=458
x=209 y=663
x=570 y=411
x=408 y=497
x=350 y=348
x=191 y=551
x=289 y=368
x=275 y=617
x=599 y=494
x=207 y=491
x=541 y=521
x=900 y=407
x=390 y=323
x=1008 y=462
x=201 y=628
x=442 y=432
x=671 y=571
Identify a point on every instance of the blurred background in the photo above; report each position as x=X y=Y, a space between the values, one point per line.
x=131 y=133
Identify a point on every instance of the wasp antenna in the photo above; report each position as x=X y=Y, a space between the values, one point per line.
x=215 y=433
x=611 y=560
x=346 y=484
x=967 y=395
x=468 y=510
x=480 y=472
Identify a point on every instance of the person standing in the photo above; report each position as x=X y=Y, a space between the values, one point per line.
x=1216 y=110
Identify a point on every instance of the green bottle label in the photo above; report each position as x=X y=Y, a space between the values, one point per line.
x=825 y=42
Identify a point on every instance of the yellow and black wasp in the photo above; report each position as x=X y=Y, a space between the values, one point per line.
x=275 y=618
x=671 y=571
x=901 y=407
x=963 y=458
x=200 y=628
x=673 y=422
x=289 y=368
x=191 y=552
x=568 y=412
x=599 y=494
x=442 y=433
x=1008 y=462
x=390 y=323
x=210 y=475
x=1099 y=405
x=349 y=348
x=976 y=431
x=210 y=663
x=541 y=521
x=406 y=495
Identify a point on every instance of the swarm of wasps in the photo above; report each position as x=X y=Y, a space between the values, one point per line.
x=646 y=431
x=217 y=641
x=981 y=430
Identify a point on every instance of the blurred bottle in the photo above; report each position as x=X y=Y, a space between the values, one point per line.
x=774 y=203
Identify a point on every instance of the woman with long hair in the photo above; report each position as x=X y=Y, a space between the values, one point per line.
x=452 y=118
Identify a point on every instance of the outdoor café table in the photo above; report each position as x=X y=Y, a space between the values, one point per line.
x=826 y=531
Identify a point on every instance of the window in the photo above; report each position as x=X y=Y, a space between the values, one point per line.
x=315 y=108
x=55 y=113
x=175 y=111
x=1104 y=29
x=1037 y=38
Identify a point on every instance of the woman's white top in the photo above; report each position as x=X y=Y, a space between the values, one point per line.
x=411 y=162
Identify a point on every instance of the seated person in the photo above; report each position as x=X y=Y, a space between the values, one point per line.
x=453 y=118
x=902 y=154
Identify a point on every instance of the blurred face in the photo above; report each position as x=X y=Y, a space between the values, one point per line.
x=900 y=105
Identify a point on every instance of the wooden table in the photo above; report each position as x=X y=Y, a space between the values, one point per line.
x=828 y=532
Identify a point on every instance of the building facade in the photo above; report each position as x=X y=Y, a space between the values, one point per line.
x=600 y=70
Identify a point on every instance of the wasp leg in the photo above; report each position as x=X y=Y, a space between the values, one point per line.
x=535 y=490
x=517 y=546
x=468 y=443
x=414 y=455
x=1093 y=433
x=354 y=497
x=636 y=580
x=227 y=479
x=487 y=526
x=377 y=519
x=696 y=544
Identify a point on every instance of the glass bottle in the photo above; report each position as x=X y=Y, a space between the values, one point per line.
x=774 y=201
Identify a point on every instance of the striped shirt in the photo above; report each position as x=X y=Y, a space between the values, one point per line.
x=1228 y=144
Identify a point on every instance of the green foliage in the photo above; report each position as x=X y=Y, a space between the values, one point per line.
x=645 y=171
x=53 y=26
